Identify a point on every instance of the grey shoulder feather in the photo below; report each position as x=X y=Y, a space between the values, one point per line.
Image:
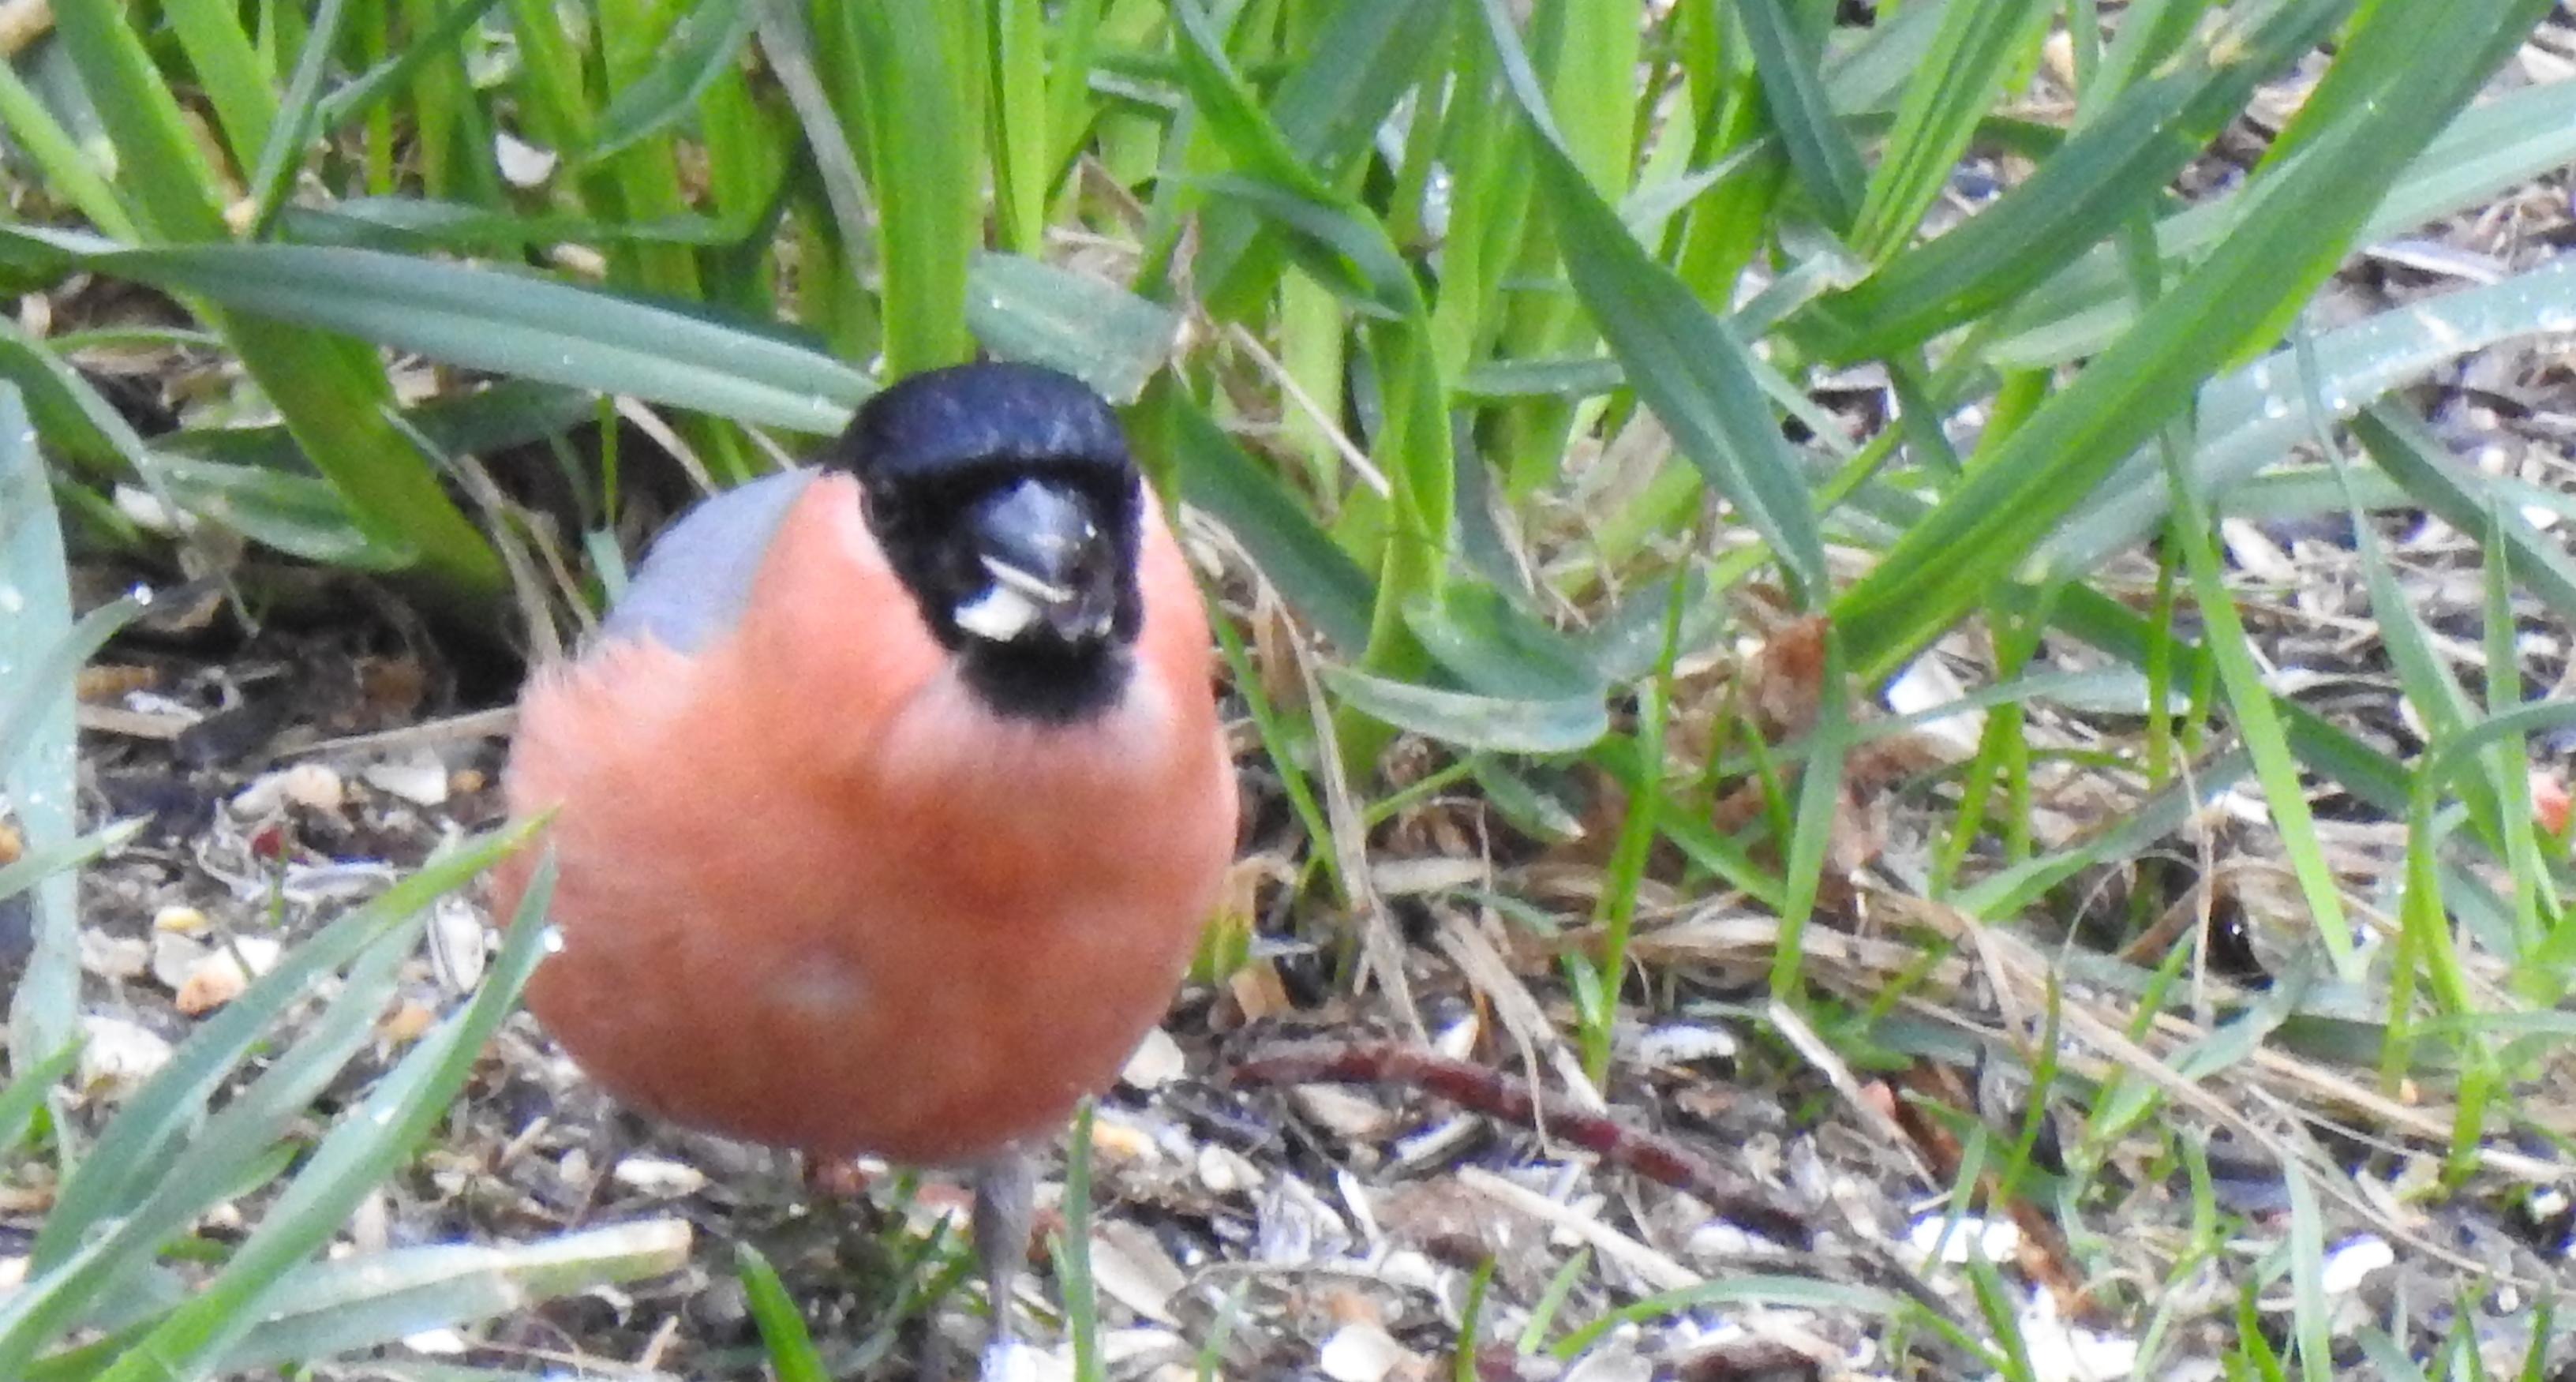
x=696 y=578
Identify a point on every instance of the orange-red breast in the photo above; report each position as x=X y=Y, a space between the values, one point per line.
x=892 y=797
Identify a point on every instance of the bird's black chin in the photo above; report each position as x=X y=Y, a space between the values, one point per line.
x=1046 y=680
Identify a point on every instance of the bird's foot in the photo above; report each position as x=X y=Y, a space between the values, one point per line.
x=1006 y=1359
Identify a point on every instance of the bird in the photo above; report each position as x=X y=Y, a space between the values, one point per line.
x=890 y=797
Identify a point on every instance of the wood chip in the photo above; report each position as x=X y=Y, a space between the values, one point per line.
x=1158 y=1061
x=1133 y=1270
x=224 y=972
x=420 y=778
x=117 y=1055
x=655 y=1176
x=1365 y=1352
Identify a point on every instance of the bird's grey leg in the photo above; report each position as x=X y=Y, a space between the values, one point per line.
x=1005 y=1198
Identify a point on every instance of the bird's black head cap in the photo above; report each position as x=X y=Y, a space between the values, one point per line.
x=1006 y=501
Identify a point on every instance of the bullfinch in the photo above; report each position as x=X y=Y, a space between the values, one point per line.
x=890 y=797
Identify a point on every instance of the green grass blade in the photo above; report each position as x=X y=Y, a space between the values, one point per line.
x=554 y=102
x=31 y=1083
x=2422 y=674
x=1109 y=338
x=2006 y=892
x=2503 y=143
x=2151 y=31
x=2249 y=417
x=2507 y=779
x=1819 y=151
x=700 y=47
x=1977 y=48
x=1022 y=145
x=1811 y=839
x=2311 y=1317
x=1320 y=582
x=40 y=650
x=373 y=1299
x=366 y=1146
x=835 y=305
x=160 y=1113
x=173 y=191
x=328 y=389
x=1492 y=723
x=1838 y=1299
x=782 y=1327
x=2534 y=717
x=297 y=116
x=377 y=84
x=2233 y=302
x=2459 y=495
x=1363 y=59
x=1495 y=647
x=2328 y=749
x=512 y=323
x=1869 y=68
x=34 y=866
x=35 y=694
x=925 y=148
x=1597 y=50
x=155 y=1190
x=236 y=82
x=2105 y=175
x=2260 y=727
x=66 y=168
x=1070 y=112
x=1683 y=362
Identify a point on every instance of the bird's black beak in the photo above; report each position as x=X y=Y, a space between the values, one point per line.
x=1040 y=542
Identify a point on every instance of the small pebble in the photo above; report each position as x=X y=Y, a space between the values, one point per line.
x=408 y=1022
x=1225 y=1171
x=1116 y=1140
x=420 y=779
x=457 y=948
x=1681 y=1043
x=1342 y=1112
x=2353 y=1262
x=522 y=164
x=1132 y=1269
x=1994 y=1240
x=1157 y=1062
x=117 y=1055
x=114 y=957
x=1364 y=1352
x=226 y=970
x=655 y=1176
x=180 y=918
x=175 y=957
x=312 y=786
x=438 y=1343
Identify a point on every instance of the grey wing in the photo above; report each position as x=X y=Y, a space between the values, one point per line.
x=697 y=576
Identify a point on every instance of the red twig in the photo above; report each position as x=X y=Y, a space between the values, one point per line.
x=1494 y=1094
